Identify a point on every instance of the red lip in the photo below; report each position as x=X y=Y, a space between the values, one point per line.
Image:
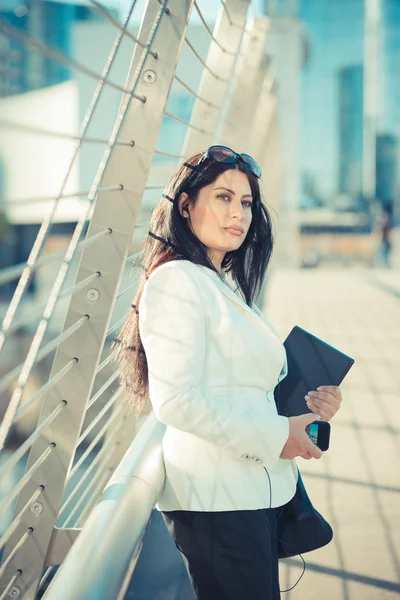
x=236 y=228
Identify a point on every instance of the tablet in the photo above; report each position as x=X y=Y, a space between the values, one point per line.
x=311 y=363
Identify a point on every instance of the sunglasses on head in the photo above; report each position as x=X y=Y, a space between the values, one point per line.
x=227 y=156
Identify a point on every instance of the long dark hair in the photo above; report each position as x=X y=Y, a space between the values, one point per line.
x=171 y=238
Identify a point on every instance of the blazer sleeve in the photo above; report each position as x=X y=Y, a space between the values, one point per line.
x=172 y=326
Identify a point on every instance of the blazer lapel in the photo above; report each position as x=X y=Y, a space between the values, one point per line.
x=235 y=297
x=228 y=291
x=254 y=312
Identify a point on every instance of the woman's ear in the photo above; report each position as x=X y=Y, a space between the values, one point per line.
x=183 y=206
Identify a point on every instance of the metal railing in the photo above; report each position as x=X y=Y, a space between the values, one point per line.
x=66 y=488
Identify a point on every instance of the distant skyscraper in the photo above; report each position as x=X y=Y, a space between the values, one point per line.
x=387 y=171
x=337 y=41
x=390 y=68
x=387 y=143
x=350 y=129
x=24 y=68
x=336 y=31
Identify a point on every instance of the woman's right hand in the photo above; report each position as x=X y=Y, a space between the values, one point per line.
x=298 y=442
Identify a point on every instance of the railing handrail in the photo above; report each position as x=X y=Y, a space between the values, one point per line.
x=126 y=504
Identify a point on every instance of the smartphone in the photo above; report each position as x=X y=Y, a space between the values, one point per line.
x=319 y=433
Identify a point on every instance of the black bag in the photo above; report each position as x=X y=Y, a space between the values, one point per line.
x=300 y=527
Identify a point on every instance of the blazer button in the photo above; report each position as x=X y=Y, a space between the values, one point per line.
x=245 y=456
x=270 y=396
x=255 y=459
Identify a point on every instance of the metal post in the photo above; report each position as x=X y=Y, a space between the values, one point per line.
x=246 y=87
x=273 y=179
x=271 y=162
x=371 y=90
x=286 y=47
x=263 y=117
x=215 y=80
x=247 y=122
x=150 y=78
x=271 y=151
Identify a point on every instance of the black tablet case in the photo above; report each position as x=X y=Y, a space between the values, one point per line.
x=311 y=363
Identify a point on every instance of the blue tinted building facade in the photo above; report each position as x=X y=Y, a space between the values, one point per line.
x=332 y=98
x=335 y=31
x=350 y=83
x=387 y=143
x=390 y=67
x=24 y=68
x=387 y=170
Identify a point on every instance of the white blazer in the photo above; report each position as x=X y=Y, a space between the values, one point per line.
x=213 y=365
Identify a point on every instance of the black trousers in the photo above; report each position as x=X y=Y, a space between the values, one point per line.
x=229 y=555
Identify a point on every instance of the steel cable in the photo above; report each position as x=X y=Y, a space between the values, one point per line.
x=17 y=394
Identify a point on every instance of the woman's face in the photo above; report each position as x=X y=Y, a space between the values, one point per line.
x=221 y=206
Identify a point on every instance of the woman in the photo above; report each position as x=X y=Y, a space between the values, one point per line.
x=209 y=361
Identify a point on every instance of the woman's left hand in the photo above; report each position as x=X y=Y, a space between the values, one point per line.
x=325 y=401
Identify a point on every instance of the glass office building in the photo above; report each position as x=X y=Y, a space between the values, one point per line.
x=387 y=170
x=23 y=67
x=332 y=97
x=387 y=143
x=390 y=67
x=335 y=31
x=350 y=107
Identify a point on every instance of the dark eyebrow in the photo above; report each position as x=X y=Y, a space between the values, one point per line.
x=232 y=192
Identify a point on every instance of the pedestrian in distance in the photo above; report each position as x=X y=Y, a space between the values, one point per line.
x=385 y=237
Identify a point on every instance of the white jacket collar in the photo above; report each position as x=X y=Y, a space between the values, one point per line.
x=255 y=312
x=226 y=289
